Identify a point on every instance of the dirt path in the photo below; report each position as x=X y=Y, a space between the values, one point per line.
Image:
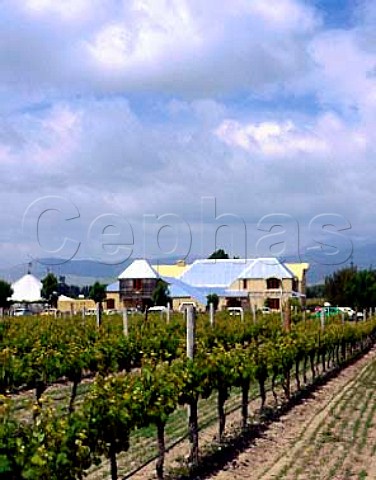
x=331 y=436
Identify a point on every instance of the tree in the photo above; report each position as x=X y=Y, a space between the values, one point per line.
x=339 y=286
x=5 y=293
x=97 y=293
x=350 y=287
x=49 y=289
x=219 y=254
x=160 y=295
x=214 y=299
x=362 y=289
x=316 y=291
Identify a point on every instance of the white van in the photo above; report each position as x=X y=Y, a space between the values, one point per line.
x=157 y=308
x=22 y=312
x=348 y=311
x=235 y=311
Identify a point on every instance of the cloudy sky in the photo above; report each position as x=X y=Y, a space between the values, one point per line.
x=142 y=114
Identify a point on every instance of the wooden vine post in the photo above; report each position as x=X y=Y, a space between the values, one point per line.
x=193 y=405
x=125 y=322
x=322 y=318
x=287 y=316
x=211 y=313
x=98 y=315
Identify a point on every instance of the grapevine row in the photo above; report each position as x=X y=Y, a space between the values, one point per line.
x=65 y=446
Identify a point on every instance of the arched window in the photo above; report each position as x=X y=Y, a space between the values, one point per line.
x=273 y=283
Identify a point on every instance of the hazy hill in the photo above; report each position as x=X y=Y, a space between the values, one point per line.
x=86 y=272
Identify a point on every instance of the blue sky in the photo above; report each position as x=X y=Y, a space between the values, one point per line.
x=130 y=108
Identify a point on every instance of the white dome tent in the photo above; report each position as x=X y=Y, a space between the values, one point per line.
x=27 y=290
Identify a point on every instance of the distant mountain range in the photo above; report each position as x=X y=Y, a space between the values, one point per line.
x=76 y=272
x=86 y=272
x=364 y=256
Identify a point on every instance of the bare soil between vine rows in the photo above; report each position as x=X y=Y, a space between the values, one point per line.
x=329 y=434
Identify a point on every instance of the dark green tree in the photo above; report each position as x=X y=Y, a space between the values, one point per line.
x=362 y=289
x=316 y=291
x=214 y=299
x=339 y=286
x=5 y=293
x=97 y=293
x=49 y=289
x=160 y=295
x=352 y=287
x=218 y=254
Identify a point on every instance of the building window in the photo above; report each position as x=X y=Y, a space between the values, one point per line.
x=110 y=303
x=137 y=284
x=273 y=303
x=244 y=284
x=273 y=283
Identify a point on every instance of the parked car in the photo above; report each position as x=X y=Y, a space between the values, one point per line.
x=329 y=311
x=133 y=310
x=157 y=308
x=22 y=312
x=235 y=311
x=266 y=310
x=348 y=311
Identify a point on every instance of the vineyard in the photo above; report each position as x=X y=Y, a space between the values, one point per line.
x=77 y=400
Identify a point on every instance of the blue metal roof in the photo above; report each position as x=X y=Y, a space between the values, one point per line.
x=179 y=289
x=266 y=268
x=223 y=273
x=113 y=287
x=214 y=273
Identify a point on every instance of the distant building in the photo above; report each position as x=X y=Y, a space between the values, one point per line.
x=175 y=270
x=27 y=290
x=241 y=282
x=112 y=301
x=137 y=283
x=237 y=282
x=74 y=306
x=300 y=274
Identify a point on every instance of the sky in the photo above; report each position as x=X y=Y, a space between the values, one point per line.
x=139 y=127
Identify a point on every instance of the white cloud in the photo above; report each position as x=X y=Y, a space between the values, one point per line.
x=271 y=139
x=177 y=46
x=284 y=15
x=112 y=46
x=65 y=10
x=345 y=69
x=107 y=159
x=140 y=106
